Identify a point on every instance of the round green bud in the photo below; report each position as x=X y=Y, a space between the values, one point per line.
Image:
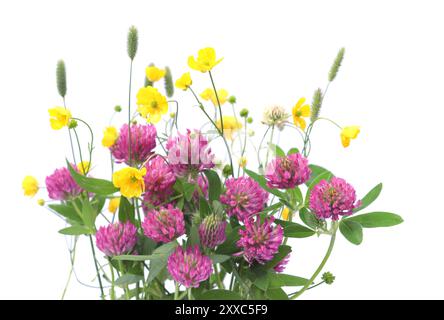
x=227 y=171
x=249 y=120
x=328 y=277
x=117 y=108
x=232 y=99
x=244 y=113
x=172 y=115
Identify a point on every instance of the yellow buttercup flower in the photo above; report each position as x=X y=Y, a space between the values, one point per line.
x=154 y=74
x=130 y=181
x=151 y=104
x=209 y=94
x=113 y=205
x=30 y=186
x=59 y=117
x=41 y=202
x=84 y=167
x=299 y=112
x=231 y=126
x=206 y=60
x=110 y=135
x=184 y=81
x=349 y=133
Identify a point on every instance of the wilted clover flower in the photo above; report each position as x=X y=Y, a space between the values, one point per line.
x=287 y=172
x=189 y=267
x=212 y=231
x=117 y=239
x=333 y=199
x=143 y=141
x=275 y=116
x=243 y=197
x=61 y=185
x=164 y=225
x=260 y=242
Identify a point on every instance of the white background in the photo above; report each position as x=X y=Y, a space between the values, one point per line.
x=275 y=52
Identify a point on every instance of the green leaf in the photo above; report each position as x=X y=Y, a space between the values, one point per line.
x=263 y=281
x=89 y=215
x=371 y=196
x=295 y=230
x=315 y=172
x=138 y=258
x=283 y=251
x=277 y=294
x=376 y=219
x=309 y=218
x=126 y=211
x=278 y=280
x=229 y=246
x=352 y=231
x=188 y=190
x=98 y=202
x=263 y=183
x=97 y=186
x=219 y=294
x=160 y=258
x=277 y=151
x=214 y=185
x=127 y=279
x=219 y=258
x=66 y=211
x=292 y=151
x=204 y=207
x=75 y=231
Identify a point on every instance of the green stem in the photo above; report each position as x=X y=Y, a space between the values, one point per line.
x=269 y=145
x=73 y=258
x=321 y=266
x=97 y=267
x=122 y=270
x=221 y=133
x=218 y=103
x=112 y=292
x=129 y=113
x=176 y=291
x=190 y=296
x=70 y=138
x=220 y=285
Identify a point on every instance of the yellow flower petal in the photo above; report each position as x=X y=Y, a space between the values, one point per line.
x=110 y=136
x=154 y=74
x=349 y=133
x=151 y=104
x=305 y=110
x=184 y=81
x=113 y=205
x=30 y=186
x=130 y=181
x=84 y=167
x=205 y=61
x=59 y=117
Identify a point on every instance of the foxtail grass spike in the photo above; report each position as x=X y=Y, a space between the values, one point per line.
x=61 y=78
x=316 y=105
x=132 y=42
x=336 y=64
x=169 y=86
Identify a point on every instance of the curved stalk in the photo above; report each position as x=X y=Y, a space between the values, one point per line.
x=321 y=266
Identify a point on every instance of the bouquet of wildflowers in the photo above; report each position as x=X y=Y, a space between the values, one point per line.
x=179 y=220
